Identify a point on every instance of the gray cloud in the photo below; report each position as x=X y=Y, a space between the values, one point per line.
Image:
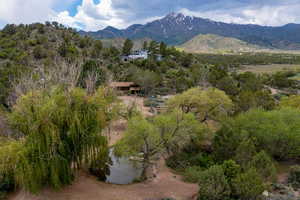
x=122 y=13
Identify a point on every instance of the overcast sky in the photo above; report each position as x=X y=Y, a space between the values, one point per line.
x=93 y=15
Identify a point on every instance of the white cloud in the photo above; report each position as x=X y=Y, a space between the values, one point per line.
x=91 y=16
x=24 y=11
x=265 y=15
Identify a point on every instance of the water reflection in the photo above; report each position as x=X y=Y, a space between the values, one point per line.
x=122 y=170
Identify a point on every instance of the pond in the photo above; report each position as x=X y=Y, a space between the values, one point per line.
x=123 y=170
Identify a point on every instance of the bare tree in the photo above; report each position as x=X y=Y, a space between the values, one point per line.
x=42 y=77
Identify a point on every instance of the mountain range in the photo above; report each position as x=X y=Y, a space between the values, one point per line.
x=177 y=28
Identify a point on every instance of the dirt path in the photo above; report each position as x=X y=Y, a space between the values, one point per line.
x=166 y=184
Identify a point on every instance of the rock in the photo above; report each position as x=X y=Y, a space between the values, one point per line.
x=266 y=193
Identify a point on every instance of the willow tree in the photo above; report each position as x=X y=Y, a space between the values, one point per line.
x=61 y=133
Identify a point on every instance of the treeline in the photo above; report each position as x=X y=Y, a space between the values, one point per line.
x=34 y=50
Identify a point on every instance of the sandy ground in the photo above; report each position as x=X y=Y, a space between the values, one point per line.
x=166 y=184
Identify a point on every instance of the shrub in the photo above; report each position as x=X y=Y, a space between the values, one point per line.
x=245 y=152
x=264 y=165
x=213 y=184
x=231 y=169
x=294 y=176
x=248 y=185
x=276 y=132
x=192 y=174
x=202 y=159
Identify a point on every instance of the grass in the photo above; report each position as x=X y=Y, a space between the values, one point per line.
x=269 y=69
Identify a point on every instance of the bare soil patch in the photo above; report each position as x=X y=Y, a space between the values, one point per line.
x=165 y=185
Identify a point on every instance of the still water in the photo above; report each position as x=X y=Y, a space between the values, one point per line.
x=123 y=170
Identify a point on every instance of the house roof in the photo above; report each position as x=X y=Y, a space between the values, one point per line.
x=121 y=84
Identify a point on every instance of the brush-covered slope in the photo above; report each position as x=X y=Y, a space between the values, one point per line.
x=214 y=43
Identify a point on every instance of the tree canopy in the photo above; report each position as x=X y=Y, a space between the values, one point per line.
x=59 y=133
x=207 y=104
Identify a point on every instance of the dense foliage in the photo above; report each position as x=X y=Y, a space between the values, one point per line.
x=276 y=132
x=59 y=133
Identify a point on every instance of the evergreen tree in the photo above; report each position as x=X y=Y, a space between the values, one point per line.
x=127 y=47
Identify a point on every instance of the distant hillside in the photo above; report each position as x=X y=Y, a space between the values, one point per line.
x=214 y=44
x=176 y=29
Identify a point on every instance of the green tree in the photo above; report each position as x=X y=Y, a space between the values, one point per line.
x=97 y=48
x=147 y=79
x=167 y=132
x=248 y=185
x=127 y=47
x=153 y=47
x=207 y=104
x=247 y=100
x=145 y=45
x=163 y=49
x=213 y=184
x=61 y=133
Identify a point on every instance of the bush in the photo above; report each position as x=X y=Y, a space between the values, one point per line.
x=276 y=132
x=202 y=159
x=231 y=169
x=294 y=176
x=192 y=174
x=264 y=165
x=245 y=152
x=186 y=159
x=248 y=185
x=213 y=184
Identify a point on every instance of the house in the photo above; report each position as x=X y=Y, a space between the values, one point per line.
x=126 y=87
x=141 y=54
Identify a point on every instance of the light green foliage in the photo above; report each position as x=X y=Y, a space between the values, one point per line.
x=231 y=169
x=292 y=101
x=9 y=149
x=61 y=134
x=176 y=129
x=213 y=184
x=264 y=165
x=276 y=132
x=207 y=104
x=167 y=132
x=248 y=185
